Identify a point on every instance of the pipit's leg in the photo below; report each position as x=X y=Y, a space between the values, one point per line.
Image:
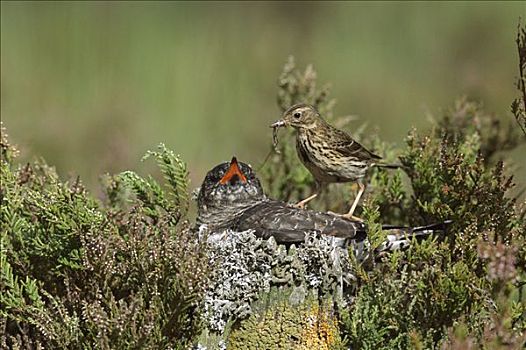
x=350 y=215
x=301 y=204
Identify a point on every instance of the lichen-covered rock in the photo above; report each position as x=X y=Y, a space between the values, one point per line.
x=248 y=267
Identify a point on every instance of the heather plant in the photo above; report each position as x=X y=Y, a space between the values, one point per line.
x=78 y=273
x=518 y=107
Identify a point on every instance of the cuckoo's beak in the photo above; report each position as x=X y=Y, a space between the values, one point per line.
x=278 y=124
x=233 y=173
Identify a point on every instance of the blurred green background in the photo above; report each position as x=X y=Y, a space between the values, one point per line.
x=92 y=85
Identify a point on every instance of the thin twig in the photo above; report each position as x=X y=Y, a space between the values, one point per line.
x=518 y=110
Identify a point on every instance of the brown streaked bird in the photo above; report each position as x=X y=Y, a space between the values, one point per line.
x=331 y=155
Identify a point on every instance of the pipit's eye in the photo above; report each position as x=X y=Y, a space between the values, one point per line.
x=297 y=115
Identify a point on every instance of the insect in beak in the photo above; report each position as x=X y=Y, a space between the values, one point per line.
x=278 y=124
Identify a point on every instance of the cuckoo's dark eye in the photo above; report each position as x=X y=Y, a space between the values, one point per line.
x=297 y=115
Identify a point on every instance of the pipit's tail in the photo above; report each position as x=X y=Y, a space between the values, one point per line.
x=388 y=166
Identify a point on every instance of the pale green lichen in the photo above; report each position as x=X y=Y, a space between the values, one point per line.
x=282 y=324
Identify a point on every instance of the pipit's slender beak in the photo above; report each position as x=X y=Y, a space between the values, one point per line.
x=278 y=124
x=232 y=173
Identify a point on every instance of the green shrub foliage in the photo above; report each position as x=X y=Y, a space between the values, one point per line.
x=77 y=273
x=127 y=271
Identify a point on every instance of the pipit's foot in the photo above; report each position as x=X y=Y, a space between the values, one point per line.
x=348 y=216
x=350 y=213
x=301 y=204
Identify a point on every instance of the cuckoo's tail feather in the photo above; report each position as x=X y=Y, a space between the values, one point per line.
x=400 y=237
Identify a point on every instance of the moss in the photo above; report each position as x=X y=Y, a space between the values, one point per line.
x=283 y=325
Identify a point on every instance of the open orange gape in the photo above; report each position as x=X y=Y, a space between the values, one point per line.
x=233 y=173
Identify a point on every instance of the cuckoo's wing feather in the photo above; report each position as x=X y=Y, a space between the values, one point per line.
x=289 y=225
